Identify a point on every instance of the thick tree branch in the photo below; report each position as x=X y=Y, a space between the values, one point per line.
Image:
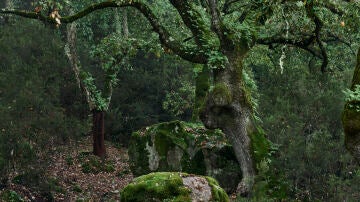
x=333 y=38
x=26 y=14
x=188 y=53
x=193 y=20
x=218 y=27
x=318 y=26
x=303 y=44
x=215 y=20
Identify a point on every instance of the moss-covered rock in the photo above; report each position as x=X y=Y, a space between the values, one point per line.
x=173 y=187
x=180 y=146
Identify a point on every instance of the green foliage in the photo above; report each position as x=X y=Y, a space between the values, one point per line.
x=37 y=105
x=153 y=78
x=353 y=98
x=77 y=188
x=94 y=164
x=10 y=196
x=300 y=112
x=38 y=181
x=216 y=60
x=252 y=92
x=96 y=97
x=260 y=147
x=180 y=101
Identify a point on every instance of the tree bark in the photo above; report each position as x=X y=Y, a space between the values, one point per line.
x=202 y=86
x=351 y=117
x=229 y=109
x=98 y=130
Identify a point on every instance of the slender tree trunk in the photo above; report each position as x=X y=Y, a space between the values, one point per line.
x=98 y=133
x=229 y=109
x=351 y=117
x=98 y=116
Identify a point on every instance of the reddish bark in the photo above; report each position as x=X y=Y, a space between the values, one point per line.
x=98 y=130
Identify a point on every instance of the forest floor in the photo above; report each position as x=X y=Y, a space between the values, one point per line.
x=77 y=175
x=72 y=174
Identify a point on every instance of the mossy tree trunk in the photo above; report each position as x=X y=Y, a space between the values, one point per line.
x=229 y=109
x=351 y=117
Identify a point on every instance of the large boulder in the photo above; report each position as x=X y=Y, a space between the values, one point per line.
x=173 y=187
x=185 y=147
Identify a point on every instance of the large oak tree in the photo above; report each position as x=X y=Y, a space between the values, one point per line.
x=222 y=34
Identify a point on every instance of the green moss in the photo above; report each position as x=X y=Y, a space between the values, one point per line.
x=194 y=165
x=10 y=196
x=161 y=186
x=189 y=137
x=166 y=186
x=174 y=131
x=221 y=94
x=139 y=160
x=218 y=194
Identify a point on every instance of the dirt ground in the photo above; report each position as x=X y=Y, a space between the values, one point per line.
x=66 y=168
